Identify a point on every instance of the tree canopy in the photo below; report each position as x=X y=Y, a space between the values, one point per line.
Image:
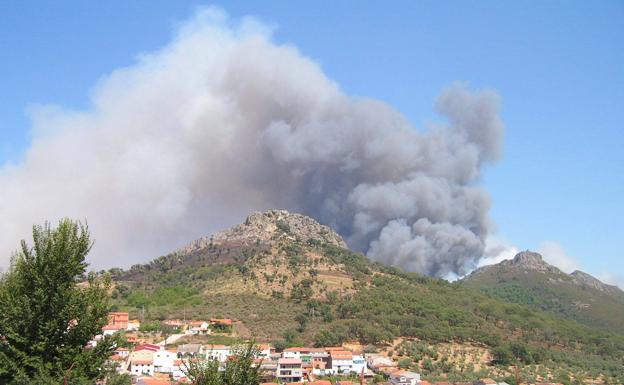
x=240 y=369
x=47 y=315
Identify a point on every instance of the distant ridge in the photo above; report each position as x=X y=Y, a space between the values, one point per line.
x=529 y=280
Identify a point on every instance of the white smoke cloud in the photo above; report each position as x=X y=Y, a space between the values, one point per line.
x=497 y=250
x=223 y=121
x=554 y=254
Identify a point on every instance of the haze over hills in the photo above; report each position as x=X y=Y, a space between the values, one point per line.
x=284 y=277
x=527 y=279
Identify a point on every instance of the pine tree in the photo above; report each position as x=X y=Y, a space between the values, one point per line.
x=47 y=316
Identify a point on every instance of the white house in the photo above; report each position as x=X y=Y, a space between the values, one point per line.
x=404 y=377
x=289 y=370
x=198 y=327
x=142 y=367
x=359 y=365
x=122 y=352
x=164 y=361
x=217 y=352
x=264 y=351
x=341 y=362
x=292 y=353
x=167 y=361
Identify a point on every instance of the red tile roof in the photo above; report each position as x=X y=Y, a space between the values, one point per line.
x=152 y=347
x=117 y=320
x=341 y=355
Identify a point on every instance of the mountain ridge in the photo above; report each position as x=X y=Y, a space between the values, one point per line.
x=527 y=279
x=534 y=261
x=285 y=278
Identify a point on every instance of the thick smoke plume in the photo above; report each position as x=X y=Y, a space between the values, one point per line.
x=223 y=121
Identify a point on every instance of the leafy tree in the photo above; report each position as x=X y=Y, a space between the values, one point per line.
x=239 y=370
x=302 y=290
x=522 y=352
x=46 y=317
x=302 y=319
x=405 y=363
x=330 y=337
x=119 y=379
x=502 y=355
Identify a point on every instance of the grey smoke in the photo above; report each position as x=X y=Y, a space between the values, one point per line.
x=223 y=121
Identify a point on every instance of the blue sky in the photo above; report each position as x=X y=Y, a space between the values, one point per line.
x=558 y=66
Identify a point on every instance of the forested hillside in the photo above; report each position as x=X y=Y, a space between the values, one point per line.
x=289 y=280
x=528 y=280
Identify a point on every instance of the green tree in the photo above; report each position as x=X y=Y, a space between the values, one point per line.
x=239 y=369
x=502 y=355
x=119 y=379
x=302 y=319
x=405 y=363
x=46 y=317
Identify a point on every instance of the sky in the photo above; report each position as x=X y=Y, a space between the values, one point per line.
x=557 y=66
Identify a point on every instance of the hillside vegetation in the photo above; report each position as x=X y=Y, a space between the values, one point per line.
x=528 y=280
x=289 y=280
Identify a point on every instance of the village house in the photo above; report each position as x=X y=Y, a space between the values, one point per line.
x=122 y=352
x=381 y=364
x=289 y=370
x=150 y=347
x=175 y=323
x=190 y=350
x=167 y=361
x=198 y=327
x=117 y=321
x=268 y=369
x=217 y=352
x=320 y=362
x=359 y=365
x=221 y=325
x=341 y=361
x=404 y=377
x=142 y=367
x=264 y=351
x=142 y=362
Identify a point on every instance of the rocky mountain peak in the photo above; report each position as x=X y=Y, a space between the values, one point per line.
x=262 y=228
x=291 y=224
x=584 y=279
x=531 y=261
